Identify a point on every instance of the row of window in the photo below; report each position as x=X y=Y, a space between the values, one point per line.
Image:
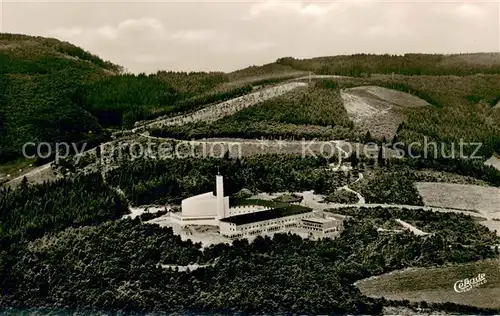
x=312 y=224
x=321 y=229
x=197 y=219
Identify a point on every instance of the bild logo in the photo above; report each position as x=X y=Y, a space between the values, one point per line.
x=466 y=285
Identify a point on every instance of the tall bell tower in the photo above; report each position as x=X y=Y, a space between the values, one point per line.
x=221 y=208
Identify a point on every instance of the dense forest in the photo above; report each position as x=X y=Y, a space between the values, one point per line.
x=44 y=80
x=391 y=185
x=457 y=230
x=148 y=181
x=79 y=268
x=310 y=113
x=52 y=91
x=473 y=168
x=462 y=111
x=34 y=210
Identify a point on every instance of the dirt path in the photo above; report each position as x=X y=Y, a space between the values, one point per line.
x=361 y=199
x=189 y=267
x=412 y=228
x=139 y=210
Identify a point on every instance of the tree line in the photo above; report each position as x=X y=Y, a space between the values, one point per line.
x=358 y=65
x=148 y=181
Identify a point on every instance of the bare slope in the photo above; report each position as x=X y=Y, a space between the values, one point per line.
x=484 y=200
x=437 y=284
x=379 y=110
x=494 y=161
x=225 y=108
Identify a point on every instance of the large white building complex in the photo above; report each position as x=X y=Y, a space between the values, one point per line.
x=289 y=218
x=204 y=209
x=253 y=217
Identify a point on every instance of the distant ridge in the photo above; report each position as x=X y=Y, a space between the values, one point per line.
x=407 y=64
x=39 y=55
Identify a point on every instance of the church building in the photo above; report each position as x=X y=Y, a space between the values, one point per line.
x=249 y=219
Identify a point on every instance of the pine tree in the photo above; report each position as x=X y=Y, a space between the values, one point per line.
x=24 y=184
x=354 y=160
x=381 y=158
x=368 y=137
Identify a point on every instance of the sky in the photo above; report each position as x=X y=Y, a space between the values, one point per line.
x=147 y=36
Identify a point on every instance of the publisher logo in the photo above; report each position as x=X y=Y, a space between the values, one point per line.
x=466 y=285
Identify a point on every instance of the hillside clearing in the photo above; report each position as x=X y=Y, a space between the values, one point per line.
x=379 y=110
x=494 y=161
x=392 y=96
x=436 y=284
x=485 y=200
x=36 y=176
x=306 y=112
x=219 y=110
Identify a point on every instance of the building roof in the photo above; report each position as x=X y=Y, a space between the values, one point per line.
x=260 y=202
x=318 y=220
x=336 y=216
x=284 y=211
x=203 y=196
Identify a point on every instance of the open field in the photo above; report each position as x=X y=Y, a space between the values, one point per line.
x=395 y=97
x=482 y=199
x=379 y=110
x=437 y=284
x=485 y=200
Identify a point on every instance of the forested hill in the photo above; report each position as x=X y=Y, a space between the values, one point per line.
x=38 y=77
x=30 y=55
x=408 y=64
x=52 y=91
